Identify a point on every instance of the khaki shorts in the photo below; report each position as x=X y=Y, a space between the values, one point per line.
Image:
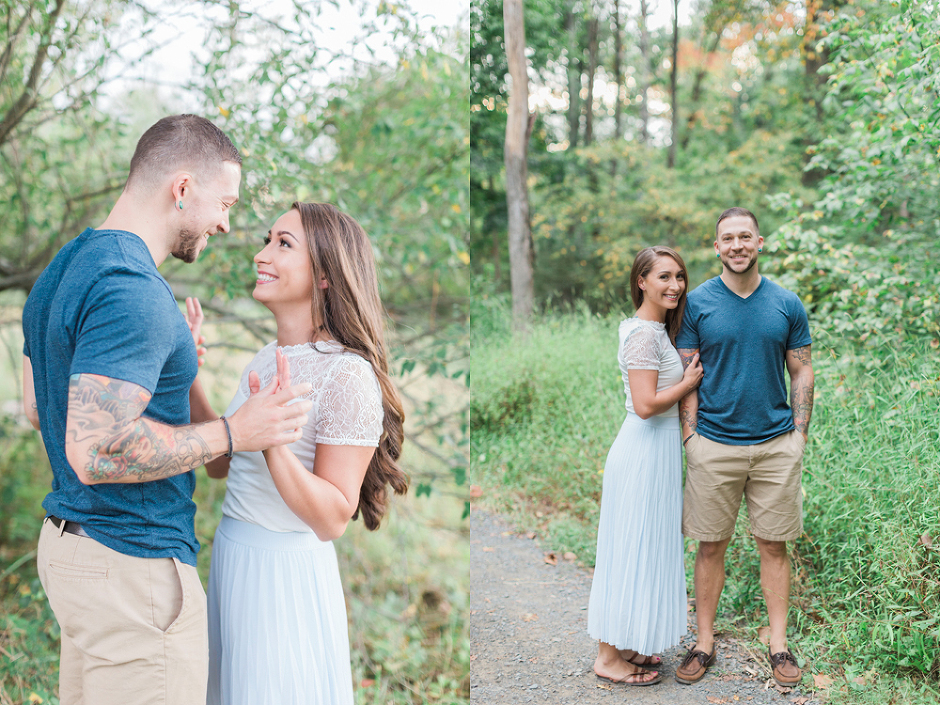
x=134 y=630
x=769 y=476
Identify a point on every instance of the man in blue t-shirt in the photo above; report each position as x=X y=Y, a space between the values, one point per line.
x=108 y=364
x=741 y=436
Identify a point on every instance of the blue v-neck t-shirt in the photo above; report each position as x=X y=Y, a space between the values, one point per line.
x=101 y=307
x=742 y=344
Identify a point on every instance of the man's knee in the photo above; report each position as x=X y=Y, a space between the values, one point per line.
x=712 y=551
x=774 y=550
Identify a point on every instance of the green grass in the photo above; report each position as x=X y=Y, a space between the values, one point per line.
x=866 y=592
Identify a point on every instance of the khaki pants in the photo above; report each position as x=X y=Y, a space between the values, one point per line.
x=134 y=630
x=767 y=474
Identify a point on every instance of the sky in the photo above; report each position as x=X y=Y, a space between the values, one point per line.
x=182 y=35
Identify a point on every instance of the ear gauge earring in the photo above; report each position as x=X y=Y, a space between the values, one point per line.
x=760 y=249
x=181 y=205
x=718 y=255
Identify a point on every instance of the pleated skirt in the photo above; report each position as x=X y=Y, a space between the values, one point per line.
x=277 y=620
x=638 y=598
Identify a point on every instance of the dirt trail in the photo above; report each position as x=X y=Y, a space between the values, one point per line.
x=528 y=639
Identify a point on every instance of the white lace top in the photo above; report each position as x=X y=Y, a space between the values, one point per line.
x=644 y=345
x=347 y=410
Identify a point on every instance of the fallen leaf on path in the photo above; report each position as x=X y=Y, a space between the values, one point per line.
x=569 y=556
x=530 y=535
x=717 y=701
x=802 y=700
x=860 y=680
x=534 y=659
x=529 y=617
x=473 y=657
x=783 y=689
x=550 y=558
x=821 y=680
x=603 y=687
x=475 y=491
x=488 y=549
x=366 y=683
x=506 y=534
x=925 y=540
x=763 y=635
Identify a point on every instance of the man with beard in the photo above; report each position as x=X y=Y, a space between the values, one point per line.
x=740 y=436
x=108 y=364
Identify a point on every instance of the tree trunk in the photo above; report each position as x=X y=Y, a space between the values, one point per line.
x=593 y=30
x=518 y=126
x=674 y=86
x=618 y=71
x=645 y=70
x=697 y=89
x=574 y=78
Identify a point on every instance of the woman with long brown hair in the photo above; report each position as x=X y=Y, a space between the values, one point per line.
x=277 y=617
x=638 y=600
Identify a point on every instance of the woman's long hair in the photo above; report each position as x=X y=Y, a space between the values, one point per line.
x=642 y=265
x=351 y=313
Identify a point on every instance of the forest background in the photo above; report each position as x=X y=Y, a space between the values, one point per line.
x=357 y=103
x=821 y=116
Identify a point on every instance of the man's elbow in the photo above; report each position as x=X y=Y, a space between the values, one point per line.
x=79 y=466
x=33 y=418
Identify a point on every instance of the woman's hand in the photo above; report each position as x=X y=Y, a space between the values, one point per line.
x=194 y=319
x=692 y=376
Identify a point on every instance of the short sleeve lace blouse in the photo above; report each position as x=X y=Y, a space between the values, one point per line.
x=347 y=410
x=644 y=345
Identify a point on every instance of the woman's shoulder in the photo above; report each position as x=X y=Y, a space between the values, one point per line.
x=630 y=327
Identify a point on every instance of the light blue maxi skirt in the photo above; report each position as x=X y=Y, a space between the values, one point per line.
x=638 y=598
x=277 y=619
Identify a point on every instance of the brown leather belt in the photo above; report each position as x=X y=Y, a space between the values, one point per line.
x=70 y=527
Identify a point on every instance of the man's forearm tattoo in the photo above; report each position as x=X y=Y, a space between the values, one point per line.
x=687 y=418
x=801 y=389
x=123 y=444
x=801 y=401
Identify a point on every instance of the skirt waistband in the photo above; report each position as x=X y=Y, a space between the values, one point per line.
x=258 y=537
x=664 y=422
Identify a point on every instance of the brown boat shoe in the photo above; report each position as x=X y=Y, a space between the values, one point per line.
x=694 y=666
x=786 y=672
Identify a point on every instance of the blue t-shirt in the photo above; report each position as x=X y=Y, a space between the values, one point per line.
x=101 y=307
x=742 y=345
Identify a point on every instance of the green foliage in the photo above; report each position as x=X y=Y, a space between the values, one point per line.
x=614 y=201
x=866 y=580
x=865 y=255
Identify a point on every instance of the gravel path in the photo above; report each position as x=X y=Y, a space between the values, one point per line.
x=528 y=639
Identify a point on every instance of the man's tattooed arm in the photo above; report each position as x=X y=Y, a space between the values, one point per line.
x=107 y=440
x=800 y=366
x=688 y=405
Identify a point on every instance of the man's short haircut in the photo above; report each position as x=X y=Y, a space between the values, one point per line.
x=732 y=212
x=180 y=142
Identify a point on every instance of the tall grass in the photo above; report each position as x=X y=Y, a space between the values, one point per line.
x=866 y=585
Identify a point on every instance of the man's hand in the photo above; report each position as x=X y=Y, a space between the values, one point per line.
x=268 y=418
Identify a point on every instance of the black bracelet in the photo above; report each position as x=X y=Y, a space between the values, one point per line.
x=687 y=439
x=229 y=432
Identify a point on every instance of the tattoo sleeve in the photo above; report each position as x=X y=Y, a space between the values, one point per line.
x=104 y=421
x=688 y=405
x=802 y=382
